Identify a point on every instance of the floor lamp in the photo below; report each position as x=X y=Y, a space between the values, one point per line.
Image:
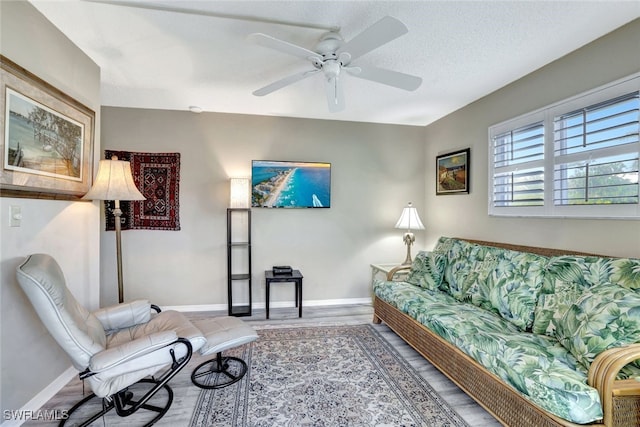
x=409 y=220
x=114 y=181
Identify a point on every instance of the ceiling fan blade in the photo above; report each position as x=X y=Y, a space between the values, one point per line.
x=389 y=77
x=380 y=33
x=335 y=94
x=283 y=46
x=279 y=84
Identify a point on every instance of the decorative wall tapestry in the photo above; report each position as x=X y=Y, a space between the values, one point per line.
x=157 y=176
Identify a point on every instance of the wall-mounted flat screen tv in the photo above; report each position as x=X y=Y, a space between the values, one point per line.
x=283 y=184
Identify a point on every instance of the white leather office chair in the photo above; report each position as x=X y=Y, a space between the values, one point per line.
x=113 y=348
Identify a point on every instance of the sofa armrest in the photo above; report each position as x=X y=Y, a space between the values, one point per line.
x=394 y=270
x=603 y=372
x=124 y=315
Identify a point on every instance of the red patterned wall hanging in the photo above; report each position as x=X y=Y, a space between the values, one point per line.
x=157 y=176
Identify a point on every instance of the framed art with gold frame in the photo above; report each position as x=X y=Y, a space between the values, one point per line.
x=46 y=147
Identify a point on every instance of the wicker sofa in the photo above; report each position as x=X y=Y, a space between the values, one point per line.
x=539 y=337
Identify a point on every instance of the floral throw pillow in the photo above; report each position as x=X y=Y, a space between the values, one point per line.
x=510 y=285
x=427 y=270
x=567 y=277
x=604 y=317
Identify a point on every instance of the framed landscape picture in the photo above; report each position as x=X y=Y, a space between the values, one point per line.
x=452 y=171
x=46 y=147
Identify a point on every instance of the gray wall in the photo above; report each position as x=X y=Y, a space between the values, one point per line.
x=376 y=170
x=605 y=60
x=29 y=357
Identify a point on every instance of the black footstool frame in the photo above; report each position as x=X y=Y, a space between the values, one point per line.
x=219 y=372
x=222 y=333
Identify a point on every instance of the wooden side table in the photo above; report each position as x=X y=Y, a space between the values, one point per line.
x=295 y=277
x=380 y=271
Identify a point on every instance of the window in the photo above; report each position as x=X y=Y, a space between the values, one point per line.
x=577 y=158
x=518 y=159
x=596 y=154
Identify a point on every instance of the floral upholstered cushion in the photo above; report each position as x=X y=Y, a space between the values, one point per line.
x=542 y=370
x=504 y=281
x=535 y=365
x=409 y=298
x=444 y=244
x=462 y=260
x=568 y=277
x=563 y=284
x=427 y=270
x=509 y=282
x=625 y=272
x=606 y=316
x=473 y=288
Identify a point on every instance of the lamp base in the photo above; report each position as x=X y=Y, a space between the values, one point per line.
x=408 y=240
x=117 y=212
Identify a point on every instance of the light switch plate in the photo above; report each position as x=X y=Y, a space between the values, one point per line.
x=15 y=216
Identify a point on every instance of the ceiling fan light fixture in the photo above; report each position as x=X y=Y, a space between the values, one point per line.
x=331 y=69
x=332 y=54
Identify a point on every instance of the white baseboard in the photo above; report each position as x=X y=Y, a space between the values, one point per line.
x=189 y=308
x=350 y=301
x=276 y=304
x=32 y=407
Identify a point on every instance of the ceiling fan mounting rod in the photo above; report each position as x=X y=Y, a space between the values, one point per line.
x=150 y=6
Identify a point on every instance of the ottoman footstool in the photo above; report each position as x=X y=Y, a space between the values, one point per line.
x=222 y=333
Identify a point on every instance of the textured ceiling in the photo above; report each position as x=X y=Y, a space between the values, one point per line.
x=462 y=50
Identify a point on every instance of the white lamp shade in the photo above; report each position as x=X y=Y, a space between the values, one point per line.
x=410 y=220
x=239 y=193
x=114 y=182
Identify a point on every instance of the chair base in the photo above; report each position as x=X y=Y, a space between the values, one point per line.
x=122 y=403
x=219 y=372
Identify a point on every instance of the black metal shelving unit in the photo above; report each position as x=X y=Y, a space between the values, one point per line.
x=238 y=278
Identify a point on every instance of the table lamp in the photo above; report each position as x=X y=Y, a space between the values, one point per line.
x=409 y=220
x=114 y=181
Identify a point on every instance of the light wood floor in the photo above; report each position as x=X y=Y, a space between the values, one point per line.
x=178 y=416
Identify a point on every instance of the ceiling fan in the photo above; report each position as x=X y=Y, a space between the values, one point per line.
x=332 y=56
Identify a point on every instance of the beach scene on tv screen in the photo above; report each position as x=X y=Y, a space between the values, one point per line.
x=280 y=184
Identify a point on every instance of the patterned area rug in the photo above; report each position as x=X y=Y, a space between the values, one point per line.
x=324 y=376
x=157 y=176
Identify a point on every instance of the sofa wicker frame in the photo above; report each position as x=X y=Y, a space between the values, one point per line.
x=620 y=398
